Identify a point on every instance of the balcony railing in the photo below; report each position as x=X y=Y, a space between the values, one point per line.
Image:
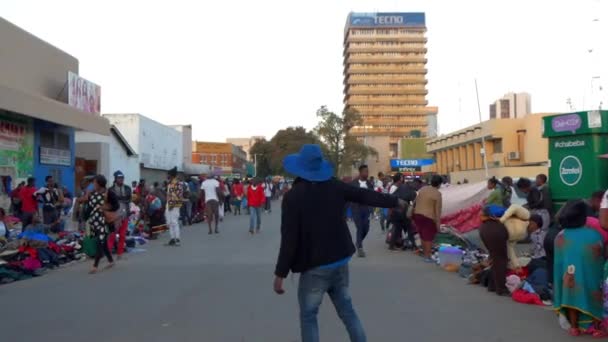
x=387 y=90
x=385 y=48
x=382 y=101
x=386 y=70
x=379 y=79
x=386 y=59
x=394 y=38
x=401 y=132
x=378 y=110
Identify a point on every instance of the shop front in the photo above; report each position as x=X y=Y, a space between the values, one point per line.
x=42 y=103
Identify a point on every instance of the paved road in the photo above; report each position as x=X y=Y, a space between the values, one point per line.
x=218 y=289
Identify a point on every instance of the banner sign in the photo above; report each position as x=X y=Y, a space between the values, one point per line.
x=386 y=19
x=83 y=94
x=410 y=165
x=12 y=135
x=52 y=156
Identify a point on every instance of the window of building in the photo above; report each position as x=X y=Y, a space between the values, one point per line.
x=53 y=139
x=498 y=146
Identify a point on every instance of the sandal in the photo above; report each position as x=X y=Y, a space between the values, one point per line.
x=93 y=270
x=575 y=332
x=596 y=333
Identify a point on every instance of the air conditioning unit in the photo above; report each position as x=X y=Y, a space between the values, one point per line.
x=513 y=156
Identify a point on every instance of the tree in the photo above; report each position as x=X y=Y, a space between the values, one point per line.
x=260 y=154
x=343 y=149
x=286 y=141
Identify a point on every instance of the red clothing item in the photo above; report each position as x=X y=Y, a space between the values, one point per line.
x=256 y=197
x=28 y=201
x=237 y=190
x=521 y=296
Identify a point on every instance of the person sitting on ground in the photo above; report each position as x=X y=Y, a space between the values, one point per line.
x=5 y=225
x=578 y=271
x=37 y=226
x=536 y=205
x=500 y=237
x=496 y=196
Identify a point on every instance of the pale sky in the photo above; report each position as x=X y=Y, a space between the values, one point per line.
x=240 y=68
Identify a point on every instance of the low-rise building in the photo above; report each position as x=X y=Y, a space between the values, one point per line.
x=43 y=102
x=99 y=154
x=245 y=143
x=514 y=147
x=159 y=147
x=224 y=158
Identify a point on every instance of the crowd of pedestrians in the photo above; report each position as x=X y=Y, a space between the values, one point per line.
x=107 y=211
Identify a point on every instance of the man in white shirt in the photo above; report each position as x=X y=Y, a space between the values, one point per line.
x=212 y=202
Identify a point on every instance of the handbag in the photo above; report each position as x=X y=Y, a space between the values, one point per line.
x=89 y=246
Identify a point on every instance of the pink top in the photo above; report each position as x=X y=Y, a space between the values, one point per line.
x=594 y=223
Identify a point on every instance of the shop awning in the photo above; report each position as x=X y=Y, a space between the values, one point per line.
x=43 y=108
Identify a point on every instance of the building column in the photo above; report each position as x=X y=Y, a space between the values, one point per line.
x=478 y=157
x=470 y=157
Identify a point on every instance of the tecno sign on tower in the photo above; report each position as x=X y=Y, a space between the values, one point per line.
x=386 y=19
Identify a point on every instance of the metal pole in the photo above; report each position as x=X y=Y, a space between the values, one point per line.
x=483 y=139
x=255 y=158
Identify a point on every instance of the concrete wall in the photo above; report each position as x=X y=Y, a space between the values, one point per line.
x=186 y=131
x=33 y=65
x=158 y=146
x=109 y=153
x=381 y=163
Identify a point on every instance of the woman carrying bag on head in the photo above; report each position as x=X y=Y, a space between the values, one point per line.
x=104 y=215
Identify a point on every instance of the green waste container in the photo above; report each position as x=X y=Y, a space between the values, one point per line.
x=577 y=142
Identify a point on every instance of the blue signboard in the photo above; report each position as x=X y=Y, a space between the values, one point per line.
x=386 y=19
x=401 y=163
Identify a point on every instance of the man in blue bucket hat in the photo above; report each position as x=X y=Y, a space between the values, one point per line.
x=316 y=241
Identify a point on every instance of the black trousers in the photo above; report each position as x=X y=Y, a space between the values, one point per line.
x=495 y=236
x=402 y=224
x=102 y=249
x=549 y=245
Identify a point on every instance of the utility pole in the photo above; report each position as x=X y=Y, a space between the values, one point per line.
x=483 y=139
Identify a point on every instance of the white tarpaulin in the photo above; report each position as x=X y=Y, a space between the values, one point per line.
x=458 y=197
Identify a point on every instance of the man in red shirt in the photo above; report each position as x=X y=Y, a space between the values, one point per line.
x=255 y=201
x=29 y=205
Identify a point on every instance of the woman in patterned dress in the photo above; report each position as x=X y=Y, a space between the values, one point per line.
x=578 y=272
x=97 y=220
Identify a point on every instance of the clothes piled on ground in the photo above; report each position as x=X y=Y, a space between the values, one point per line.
x=32 y=253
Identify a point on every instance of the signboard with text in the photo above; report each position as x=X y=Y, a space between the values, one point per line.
x=410 y=165
x=387 y=19
x=53 y=156
x=83 y=94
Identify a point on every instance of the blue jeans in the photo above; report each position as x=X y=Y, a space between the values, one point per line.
x=255 y=218
x=361 y=218
x=311 y=290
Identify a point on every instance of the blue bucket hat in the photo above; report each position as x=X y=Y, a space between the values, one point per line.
x=309 y=164
x=119 y=174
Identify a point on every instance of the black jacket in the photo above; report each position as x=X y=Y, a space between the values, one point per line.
x=356 y=207
x=313 y=229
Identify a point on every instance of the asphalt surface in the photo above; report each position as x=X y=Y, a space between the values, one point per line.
x=219 y=288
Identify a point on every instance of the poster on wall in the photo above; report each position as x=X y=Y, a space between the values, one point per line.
x=83 y=94
x=53 y=156
x=16 y=146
